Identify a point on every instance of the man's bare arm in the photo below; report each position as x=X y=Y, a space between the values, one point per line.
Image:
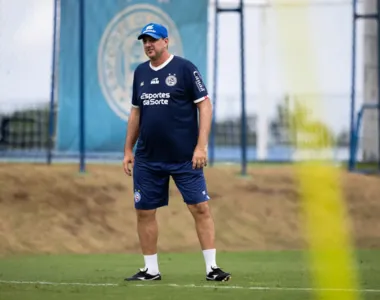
x=133 y=130
x=205 y=118
x=130 y=141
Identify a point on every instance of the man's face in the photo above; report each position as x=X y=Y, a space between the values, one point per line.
x=154 y=48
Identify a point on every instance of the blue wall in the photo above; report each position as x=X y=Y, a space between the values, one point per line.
x=111 y=54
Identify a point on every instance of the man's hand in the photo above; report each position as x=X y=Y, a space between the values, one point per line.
x=128 y=160
x=199 y=157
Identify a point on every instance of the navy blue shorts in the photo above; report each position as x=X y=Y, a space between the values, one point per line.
x=151 y=183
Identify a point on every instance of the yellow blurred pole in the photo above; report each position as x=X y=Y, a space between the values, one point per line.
x=324 y=212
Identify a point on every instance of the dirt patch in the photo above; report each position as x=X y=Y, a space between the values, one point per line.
x=55 y=210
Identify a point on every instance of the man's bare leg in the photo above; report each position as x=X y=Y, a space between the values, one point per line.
x=147 y=230
x=205 y=227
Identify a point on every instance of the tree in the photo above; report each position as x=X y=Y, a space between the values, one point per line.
x=296 y=126
x=280 y=125
x=343 y=138
x=25 y=129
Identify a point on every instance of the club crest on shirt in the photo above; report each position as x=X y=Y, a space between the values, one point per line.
x=171 y=80
x=120 y=53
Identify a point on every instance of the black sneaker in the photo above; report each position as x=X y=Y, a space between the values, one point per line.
x=143 y=275
x=218 y=275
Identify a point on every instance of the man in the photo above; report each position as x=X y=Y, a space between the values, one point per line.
x=168 y=92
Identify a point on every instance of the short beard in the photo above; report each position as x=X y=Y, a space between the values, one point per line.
x=158 y=55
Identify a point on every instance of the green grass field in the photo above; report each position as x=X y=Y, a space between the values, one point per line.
x=255 y=275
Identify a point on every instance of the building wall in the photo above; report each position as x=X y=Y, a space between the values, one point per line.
x=370 y=134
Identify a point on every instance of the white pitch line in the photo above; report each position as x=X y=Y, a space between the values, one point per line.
x=57 y=283
x=257 y=288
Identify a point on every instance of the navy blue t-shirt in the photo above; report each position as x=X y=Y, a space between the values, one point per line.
x=167 y=97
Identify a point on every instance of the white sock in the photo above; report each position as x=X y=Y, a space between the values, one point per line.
x=210 y=259
x=151 y=264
